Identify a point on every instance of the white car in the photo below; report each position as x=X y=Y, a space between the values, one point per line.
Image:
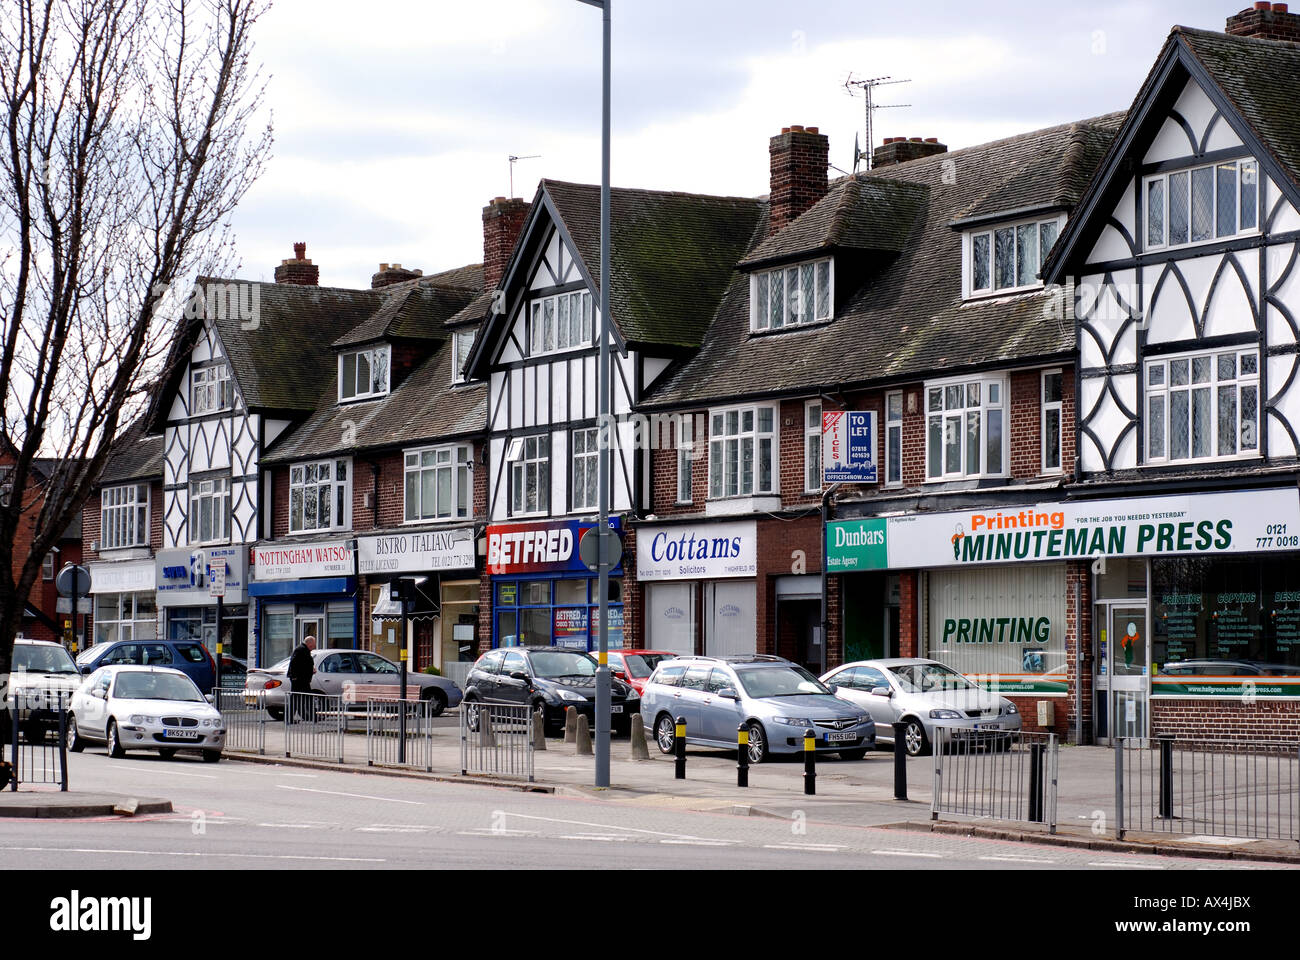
x=145 y=708
x=43 y=677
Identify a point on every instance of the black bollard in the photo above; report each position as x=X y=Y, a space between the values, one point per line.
x=900 y=761
x=679 y=748
x=1036 y=751
x=1166 y=778
x=742 y=756
x=809 y=763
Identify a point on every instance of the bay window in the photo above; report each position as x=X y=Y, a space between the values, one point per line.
x=210 y=510
x=742 y=451
x=319 y=496
x=1203 y=203
x=363 y=373
x=1202 y=406
x=124 y=517
x=1009 y=257
x=965 y=433
x=438 y=483
x=530 y=474
x=791 y=296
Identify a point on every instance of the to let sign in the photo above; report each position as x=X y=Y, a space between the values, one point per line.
x=849 y=446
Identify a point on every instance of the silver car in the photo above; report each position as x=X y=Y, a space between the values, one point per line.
x=338 y=668
x=775 y=699
x=920 y=693
x=127 y=707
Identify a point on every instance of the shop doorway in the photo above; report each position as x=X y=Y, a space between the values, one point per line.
x=871 y=604
x=1123 y=679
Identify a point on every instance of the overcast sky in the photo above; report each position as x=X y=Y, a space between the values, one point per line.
x=394 y=118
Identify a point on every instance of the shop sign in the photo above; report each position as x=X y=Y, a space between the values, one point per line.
x=849 y=446
x=296 y=561
x=546 y=546
x=697 y=551
x=570 y=627
x=132 y=576
x=1235 y=688
x=415 y=552
x=183 y=576
x=1256 y=521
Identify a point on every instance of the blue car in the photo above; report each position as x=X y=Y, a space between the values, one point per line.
x=188 y=656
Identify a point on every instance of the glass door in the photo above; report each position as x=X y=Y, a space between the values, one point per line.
x=1129 y=651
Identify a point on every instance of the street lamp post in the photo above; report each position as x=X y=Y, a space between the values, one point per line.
x=602 y=670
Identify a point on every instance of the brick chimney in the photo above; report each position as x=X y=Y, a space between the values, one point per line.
x=502 y=222
x=799 y=158
x=1265 y=21
x=299 y=270
x=902 y=149
x=392 y=273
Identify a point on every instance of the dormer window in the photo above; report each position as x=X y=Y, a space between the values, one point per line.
x=1202 y=204
x=363 y=373
x=462 y=342
x=791 y=296
x=1007 y=258
x=561 y=322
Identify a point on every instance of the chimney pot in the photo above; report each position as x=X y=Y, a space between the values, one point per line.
x=785 y=129
x=902 y=149
x=300 y=251
x=383 y=267
x=931 y=139
x=1265 y=21
x=391 y=273
x=812 y=130
x=1280 y=8
x=1263 y=5
x=299 y=270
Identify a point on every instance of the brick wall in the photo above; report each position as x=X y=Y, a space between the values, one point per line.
x=1225 y=719
x=798 y=164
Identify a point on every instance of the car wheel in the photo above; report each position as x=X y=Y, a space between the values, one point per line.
x=277 y=713
x=548 y=725
x=166 y=752
x=437 y=701
x=915 y=742
x=666 y=733
x=112 y=742
x=853 y=754
x=757 y=743
x=75 y=743
x=471 y=715
x=211 y=756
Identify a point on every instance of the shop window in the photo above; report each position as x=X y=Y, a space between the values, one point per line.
x=438 y=483
x=966 y=432
x=742 y=452
x=319 y=496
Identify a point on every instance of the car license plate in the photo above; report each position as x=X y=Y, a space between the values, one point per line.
x=618 y=709
x=182 y=734
x=840 y=737
x=988 y=726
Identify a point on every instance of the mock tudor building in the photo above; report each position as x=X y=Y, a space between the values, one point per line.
x=1183 y=255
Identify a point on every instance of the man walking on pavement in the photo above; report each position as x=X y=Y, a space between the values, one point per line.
x=301 y=669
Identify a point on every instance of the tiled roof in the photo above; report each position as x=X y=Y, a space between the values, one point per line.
x=407 y=306
x=135 y=456
x=857 y=213
x=903 y=315
x=672 y=254
x=474 y=312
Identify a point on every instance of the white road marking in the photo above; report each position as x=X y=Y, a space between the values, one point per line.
x=701 y=843
x=906 y=853
x=1018 y=859
x=297 y=826
x=814 y=847
x=610 y=826
x=489 y=832
x=1121 y=863
x=382 y=829
x=593 y=836
x=177 y=773
x=193 y=853
x=358 y=796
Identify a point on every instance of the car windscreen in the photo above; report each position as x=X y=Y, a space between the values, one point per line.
x=636 y=665
x=778 y=680
x=929 y=677
x=90 y=653
x=41 y=659
x=139 y=685
x=558 y=663
x=652 y=660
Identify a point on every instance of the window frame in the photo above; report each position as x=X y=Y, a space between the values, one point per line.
x=760 y=321
x=459 y=463
x=985 y=407
x=990 y=233
x=812 y=436
x=591 y=466
x=893 y=463
x=371 y=353
x=718 y=441
x=685 y=460
x=1240 y=163
x=535 y=313
x=194 y=514
x=458 y=357
x=340 y=494
x=110 y=522
x=1165 y=390
x=518 y=476
x=1057 y=407
x=212 y=383
x=47 y=565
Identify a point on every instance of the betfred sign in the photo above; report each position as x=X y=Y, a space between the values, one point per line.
x=548 y=546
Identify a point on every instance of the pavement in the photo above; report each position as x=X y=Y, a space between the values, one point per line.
x=47 y=804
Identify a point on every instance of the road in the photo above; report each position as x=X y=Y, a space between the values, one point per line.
x=248 y=816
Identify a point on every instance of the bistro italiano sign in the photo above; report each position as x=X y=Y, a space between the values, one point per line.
x=1257 y=521
x=414 y=552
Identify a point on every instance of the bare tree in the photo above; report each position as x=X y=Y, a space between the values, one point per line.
x=130 y=133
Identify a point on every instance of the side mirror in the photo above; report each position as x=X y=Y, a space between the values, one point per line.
x=519 y=675
x=100 y=693
x=833 y=687
x=881 y=692
x=85 y=670
x=728 y=693
x=211 y=698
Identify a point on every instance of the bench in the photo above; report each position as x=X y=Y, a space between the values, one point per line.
x=355 y=693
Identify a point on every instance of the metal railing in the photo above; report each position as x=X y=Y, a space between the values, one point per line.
x=314 y=726
x=496 y=739
x=245 y=718
x=995 y=775
x=38 y=739
x=1213 y=788
x=399 y=733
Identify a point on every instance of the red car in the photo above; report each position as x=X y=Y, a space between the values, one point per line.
x=635 y=666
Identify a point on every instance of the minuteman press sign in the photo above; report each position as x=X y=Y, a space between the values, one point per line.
x=1256 y=521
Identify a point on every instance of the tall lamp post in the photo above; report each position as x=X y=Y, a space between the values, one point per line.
x=602 y=670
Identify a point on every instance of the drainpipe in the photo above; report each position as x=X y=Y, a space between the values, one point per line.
x=826 y=515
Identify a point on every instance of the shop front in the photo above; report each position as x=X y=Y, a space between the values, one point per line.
x=542 y=592
x=303 y=590
x=441 y=622
x=125 y=600
x=186 y=607
x=701 y=587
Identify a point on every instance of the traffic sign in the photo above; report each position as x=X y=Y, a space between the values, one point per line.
x=593 y=547
x=73 y=579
